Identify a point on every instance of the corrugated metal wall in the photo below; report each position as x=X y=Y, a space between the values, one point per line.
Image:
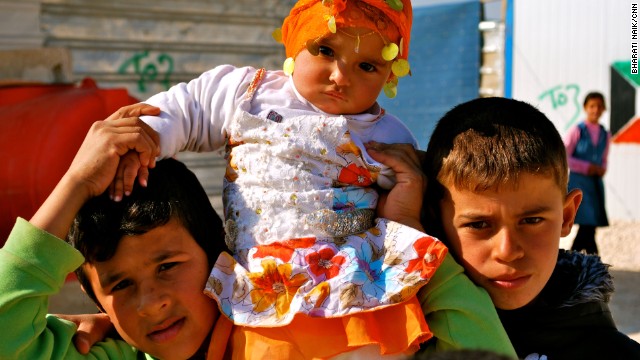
x=445 y=64
x=146 y=46
x=561 y=51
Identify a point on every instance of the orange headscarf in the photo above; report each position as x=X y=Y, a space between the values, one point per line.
x=309 y=20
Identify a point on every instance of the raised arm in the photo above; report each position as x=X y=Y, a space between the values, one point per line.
x=93 y=169
x=130 y=166
x=34 y=261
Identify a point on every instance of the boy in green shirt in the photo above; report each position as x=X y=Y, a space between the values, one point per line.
x=145 y=267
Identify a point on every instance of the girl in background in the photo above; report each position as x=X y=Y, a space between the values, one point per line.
x=587 y=145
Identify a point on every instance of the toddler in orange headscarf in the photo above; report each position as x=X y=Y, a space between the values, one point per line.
x=312 y=272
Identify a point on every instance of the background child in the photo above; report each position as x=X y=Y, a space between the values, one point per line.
x=144 y=261
x=587 y=145
x=298 y=196
x=497 y=172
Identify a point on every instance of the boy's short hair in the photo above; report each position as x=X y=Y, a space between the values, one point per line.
x=173 y=192
x=487 y=143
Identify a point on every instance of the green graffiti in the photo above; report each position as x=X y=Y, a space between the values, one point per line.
x=147 y=69
x=562 y=96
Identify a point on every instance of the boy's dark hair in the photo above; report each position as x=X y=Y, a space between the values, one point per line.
x=173 y=192
x=487 y=143
x=593 y=95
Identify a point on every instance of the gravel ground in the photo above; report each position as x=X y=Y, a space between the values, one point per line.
x=618 y=244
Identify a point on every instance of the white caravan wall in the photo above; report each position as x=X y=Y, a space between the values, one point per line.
x=563 y=49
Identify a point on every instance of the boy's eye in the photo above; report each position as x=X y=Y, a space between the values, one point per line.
x=121 y=285
x=325 y=50
x=367 y=67
x=532 y=220
x=167 y=266
x=478 y=225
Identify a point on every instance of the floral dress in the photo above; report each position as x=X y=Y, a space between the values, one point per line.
x=300 y=223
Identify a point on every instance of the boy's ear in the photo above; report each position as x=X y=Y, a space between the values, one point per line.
x=571 y=203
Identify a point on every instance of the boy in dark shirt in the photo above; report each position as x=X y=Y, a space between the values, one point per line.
x=497 y=190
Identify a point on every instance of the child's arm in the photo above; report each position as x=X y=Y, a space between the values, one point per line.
x=193 y=118
x=580 y=166
x=130 y=166
x=34 y=261
x=195 y=114
x=33 y=266
x=93 y=169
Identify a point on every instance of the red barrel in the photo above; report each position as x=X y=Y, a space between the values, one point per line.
x=41 y=129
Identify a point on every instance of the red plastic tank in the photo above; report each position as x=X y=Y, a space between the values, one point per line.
x=41 y=129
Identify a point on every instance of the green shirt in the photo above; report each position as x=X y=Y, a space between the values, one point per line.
x=460 y=314
x=33 y=266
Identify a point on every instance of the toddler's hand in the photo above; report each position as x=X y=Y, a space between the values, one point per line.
x=134 y=110
x=93 y=169
x=128 y=169
x=404 y=202
x=130 y=166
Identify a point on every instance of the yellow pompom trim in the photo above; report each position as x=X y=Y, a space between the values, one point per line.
x=277 y=35
x=390 y=51
x=288 y=66
x=390 y=88
x=331 y=23
x=400 y=68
